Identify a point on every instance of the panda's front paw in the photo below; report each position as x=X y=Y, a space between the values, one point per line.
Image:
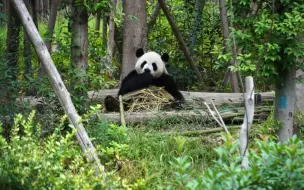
x=177 y=104
x=181 y=105
x=111 y=104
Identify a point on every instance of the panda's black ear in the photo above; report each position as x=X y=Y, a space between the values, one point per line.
x=140 y=52
x=165 y=57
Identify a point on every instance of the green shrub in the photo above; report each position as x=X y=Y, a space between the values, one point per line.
x=56 y=162
x=272 y=166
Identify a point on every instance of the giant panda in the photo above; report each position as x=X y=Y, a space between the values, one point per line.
x=150 y=70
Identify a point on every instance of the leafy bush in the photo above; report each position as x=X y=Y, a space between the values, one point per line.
x=29 y=162
x=272 y=166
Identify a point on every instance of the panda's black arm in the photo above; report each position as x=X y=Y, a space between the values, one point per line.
x=170 y=86
x=130 y=75
x=134 y=81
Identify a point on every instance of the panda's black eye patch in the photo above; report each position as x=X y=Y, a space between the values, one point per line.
x=143 y=64
x=154 y=66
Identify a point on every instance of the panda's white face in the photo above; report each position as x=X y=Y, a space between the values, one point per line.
x=151 y=62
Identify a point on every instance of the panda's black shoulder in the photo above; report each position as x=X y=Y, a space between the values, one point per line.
x=163 y=80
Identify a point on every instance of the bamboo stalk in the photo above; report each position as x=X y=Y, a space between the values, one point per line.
x=122 y=112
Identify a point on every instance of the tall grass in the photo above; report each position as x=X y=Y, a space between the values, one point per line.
x=150 y=152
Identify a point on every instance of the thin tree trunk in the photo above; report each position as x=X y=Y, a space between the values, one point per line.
x=97 y=20
x=134 y=33
x=226 y=77
x=180 y=40
x=51 y=24
x=299 y=102
x=46 y=8
x=35 y=12
x=35 y=5
x=97 y=23
x=104 y=30
x=27 y=54
x=285 y=102
x=248 y=119
x=12 y=43
x=118 y=38
x=225 y=27
x=58 y=85
x=9 y=91
x=111 y=38
x=41 y=2
x=197 y=23
x=154 y=15
x=79 y=46
x=50 y=31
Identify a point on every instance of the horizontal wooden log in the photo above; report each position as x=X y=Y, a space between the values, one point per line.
x=142 y=117
x=191 y=97
x=137 y=117
x=217 y=98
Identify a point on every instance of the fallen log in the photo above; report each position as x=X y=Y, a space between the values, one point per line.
x=184 y=115
x=142 y=117
x=217 y=98
x=193 y=98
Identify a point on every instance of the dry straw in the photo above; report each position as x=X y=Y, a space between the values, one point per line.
x=149 y=99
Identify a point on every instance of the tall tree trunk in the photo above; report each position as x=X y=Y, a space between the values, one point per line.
x=154 y=15
x=197 y=23
x=285 y=102
x=51 y=24
x=59 y=87
x=118 y=38
x=111 y=38
x=27 y=54
x=35 y=6
x=8 y=90
x=79 y=56
x=225 y=27
x=104 y=31
x=181 y=41
x=97 y=23
x=50 y=31
x=41 y=6
x=45 y=8
x=12 y=43
x=134 y=33
x=97 y=20
x=299 y=102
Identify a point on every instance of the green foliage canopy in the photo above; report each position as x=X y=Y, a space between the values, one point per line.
x=269 y=34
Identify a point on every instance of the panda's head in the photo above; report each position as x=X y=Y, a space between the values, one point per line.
x=151 y=62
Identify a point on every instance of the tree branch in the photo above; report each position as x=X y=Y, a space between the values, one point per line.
x=180 y=40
